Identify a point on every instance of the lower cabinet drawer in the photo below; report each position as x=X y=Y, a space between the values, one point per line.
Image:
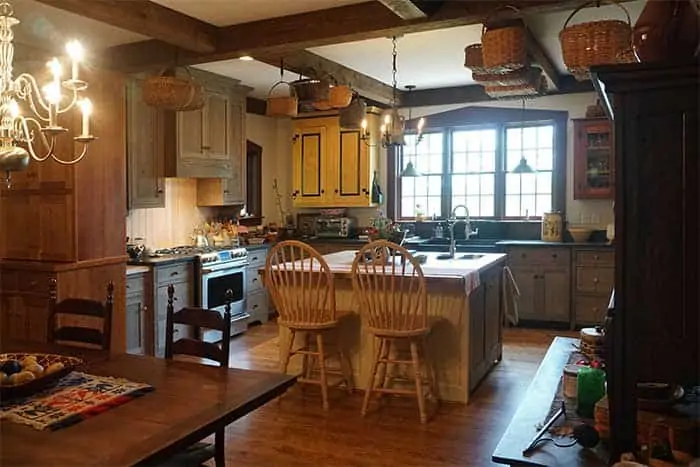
x=595 y=280
x=257 y=306
x=590 y=309
x=180 y=272
x=253 y=281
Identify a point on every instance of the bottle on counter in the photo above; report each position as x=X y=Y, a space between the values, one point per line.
x=377 y=195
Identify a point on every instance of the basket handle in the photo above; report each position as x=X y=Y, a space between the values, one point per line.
x=518 y=14
x=597 y=2
x=292 y=92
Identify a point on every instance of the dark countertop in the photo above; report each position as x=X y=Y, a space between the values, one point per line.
x=543 y=243
x=161 y=260
x=257 y=247
x=348 y=241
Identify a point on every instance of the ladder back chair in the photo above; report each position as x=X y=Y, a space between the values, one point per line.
x=197 y=318
x=79 y=321
x=302 y=288
x=390 y=288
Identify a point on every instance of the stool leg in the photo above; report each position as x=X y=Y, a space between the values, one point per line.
x=322 y=368
x=372 y=375
x=432 y=373
x=417 y=377
x=288 y=353
x=346 y=369
x=386 y=376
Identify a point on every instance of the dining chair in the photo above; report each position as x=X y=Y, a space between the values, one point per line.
x=302 y=288
x=197 y=318
x=79 y=321
x=390 y=287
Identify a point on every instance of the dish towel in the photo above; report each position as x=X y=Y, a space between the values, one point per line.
x=511 y=296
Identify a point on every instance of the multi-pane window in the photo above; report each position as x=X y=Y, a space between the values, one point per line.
x=423 y=193
x=529 y=194
x=475 y=166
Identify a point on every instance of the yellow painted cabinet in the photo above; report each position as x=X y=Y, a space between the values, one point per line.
x=333 y=166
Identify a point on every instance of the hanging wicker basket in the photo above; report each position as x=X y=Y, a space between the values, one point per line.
x=198 y=99
x=170 y=92
x=311 y=90
x=595 y=43
x=282 y=106
x=474 y=58
x=503 y=41
x=322 y=105
x=512 y=78
x=351 y=116
x=530 y=89
x=340 y=96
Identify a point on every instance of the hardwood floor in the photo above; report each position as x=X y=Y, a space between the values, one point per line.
x=295 y=431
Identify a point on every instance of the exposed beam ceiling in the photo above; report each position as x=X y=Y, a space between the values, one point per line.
x=476 y=93
x=332 y=26
x=145 y=17
x=315 y=66
x=538 y=55
x=404 y=9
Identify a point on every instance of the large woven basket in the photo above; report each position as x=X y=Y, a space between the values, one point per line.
x=595 y=43
x=282 y=106
x=339 y=96
x=169 y=92
x=512 y=78
x=530 y=89
x=311 y=90
x=351 y=116
x=503 y=41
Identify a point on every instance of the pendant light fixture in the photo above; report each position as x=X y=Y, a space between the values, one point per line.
x=410 y=170
x=523 y=167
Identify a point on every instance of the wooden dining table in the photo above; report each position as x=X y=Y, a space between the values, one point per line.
x=190 y=402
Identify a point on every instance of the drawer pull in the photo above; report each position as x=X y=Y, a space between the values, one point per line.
x=595 y=280
x=523 y=255
x=33 y=283
x=596 y=257
x=254 y=258
x=554 y=255
x=128 y=286
x=255 y=307
x=174 y=273
x=255 y=279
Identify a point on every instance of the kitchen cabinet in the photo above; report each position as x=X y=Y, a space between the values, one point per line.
x=543 y=275
x=257 y=297
x=485 y=324
x=138 y=313
x=181 y=276
x=594 y=164
x=145 y=151
x=333 y=166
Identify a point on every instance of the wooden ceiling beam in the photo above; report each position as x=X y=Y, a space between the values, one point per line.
x=147 y=18
x=309 y=64
x=475 y=93
x=368 y=20
x=539 y=56
x=404 y=9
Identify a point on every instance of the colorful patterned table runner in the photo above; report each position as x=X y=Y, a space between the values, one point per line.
x=76 y=397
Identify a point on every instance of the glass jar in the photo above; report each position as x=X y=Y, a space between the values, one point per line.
x=552 y=226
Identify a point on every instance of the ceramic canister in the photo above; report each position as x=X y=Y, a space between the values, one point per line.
x=552 y=226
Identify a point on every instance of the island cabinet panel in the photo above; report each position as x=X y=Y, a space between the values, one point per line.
x=333 y=166
x=477 y=325
x=257 y=297
x=485 y=324
x=145 y=151
x=543 y=275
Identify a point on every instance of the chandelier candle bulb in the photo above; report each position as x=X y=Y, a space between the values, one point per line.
x=86 y=108
x=420 y=125
x=76 y=53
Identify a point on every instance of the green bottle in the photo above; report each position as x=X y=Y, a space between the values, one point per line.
x=591 y=389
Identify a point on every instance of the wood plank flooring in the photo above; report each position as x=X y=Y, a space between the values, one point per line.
x=295 y=431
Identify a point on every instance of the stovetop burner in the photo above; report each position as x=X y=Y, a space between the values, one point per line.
x=187 y=250
x=207 y=254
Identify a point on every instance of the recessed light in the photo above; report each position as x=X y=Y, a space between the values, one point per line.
x=246 y=58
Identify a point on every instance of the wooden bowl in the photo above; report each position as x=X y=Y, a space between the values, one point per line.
x=580 y=234
x=47 y=380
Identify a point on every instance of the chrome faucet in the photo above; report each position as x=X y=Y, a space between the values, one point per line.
x=451 y=224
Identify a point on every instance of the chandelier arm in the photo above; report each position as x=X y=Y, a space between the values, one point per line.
x=73 y=161
x=30 y=140
x=71 y=105
x=27 y=89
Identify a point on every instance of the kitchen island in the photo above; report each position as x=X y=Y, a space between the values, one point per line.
x=464 y=309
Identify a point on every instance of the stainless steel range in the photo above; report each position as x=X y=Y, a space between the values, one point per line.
x=216 y=271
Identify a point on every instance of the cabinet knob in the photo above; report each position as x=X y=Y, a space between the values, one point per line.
x=226 y=192
x=523 y=255
x=174 y=273
x=595 y=280
x=596 y=257
x=596 y=309
x=554 y=255
x=255 y=307
x=323 y=191
x=254 y=258
x=206 y=148
x=255 y=279
x=336 y=191
x=128 y=286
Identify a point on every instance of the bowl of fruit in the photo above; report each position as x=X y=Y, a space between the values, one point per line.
x=24 y=374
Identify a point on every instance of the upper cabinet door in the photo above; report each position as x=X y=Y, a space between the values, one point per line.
x=145 y=152
x=594 y=176
x=218 y=126
x=310 y=157
x=351 y=174
x=190 y=134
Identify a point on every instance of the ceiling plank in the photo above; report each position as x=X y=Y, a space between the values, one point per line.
x=475 y=93
x=404 y=9
x=147 y=18
x=314 y=66
x=348 y=23
x=539 y=56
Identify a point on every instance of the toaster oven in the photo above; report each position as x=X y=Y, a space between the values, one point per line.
x=334 y=227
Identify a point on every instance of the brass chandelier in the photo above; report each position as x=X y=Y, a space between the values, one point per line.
x=34 y=136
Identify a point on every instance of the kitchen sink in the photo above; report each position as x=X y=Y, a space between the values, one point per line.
x=458 y=256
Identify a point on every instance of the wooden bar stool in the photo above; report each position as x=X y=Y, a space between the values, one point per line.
x=390 y=287
x=71 y=319
x=302 y=288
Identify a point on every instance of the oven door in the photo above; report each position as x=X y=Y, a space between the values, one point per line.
x=215 y=283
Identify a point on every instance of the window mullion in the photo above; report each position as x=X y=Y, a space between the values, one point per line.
x=446 y=192
x=500 y=182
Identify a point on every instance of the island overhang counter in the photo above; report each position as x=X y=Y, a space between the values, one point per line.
x=464 y=308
